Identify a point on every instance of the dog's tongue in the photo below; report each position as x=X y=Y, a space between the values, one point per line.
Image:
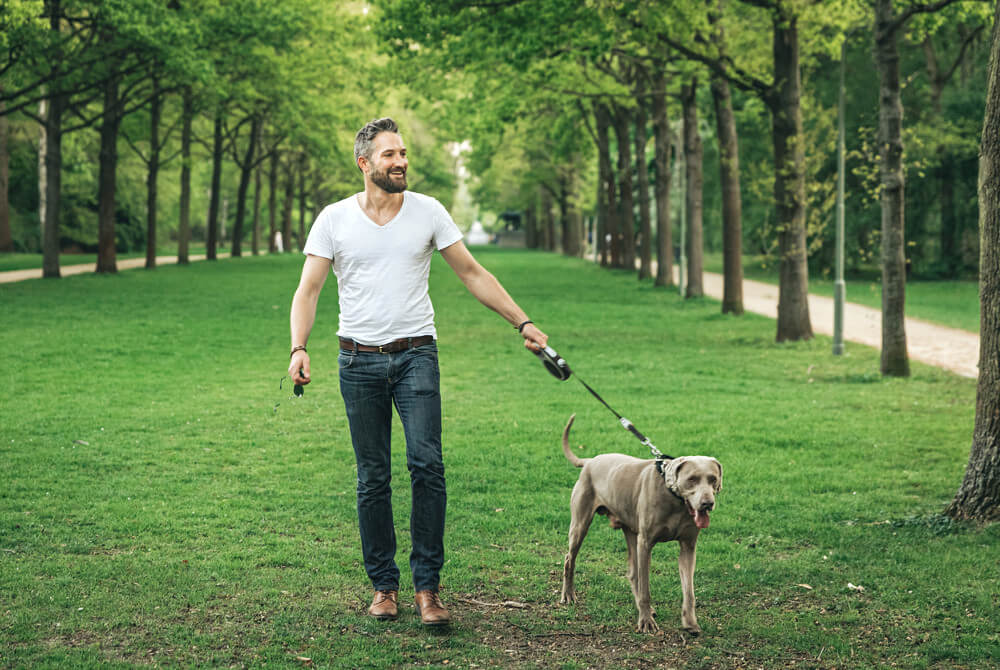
x=701 y=519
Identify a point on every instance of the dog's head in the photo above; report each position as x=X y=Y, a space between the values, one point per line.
x=695 y=480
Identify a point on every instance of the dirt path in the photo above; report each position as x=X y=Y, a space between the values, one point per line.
x=948 y=348
x=81 y=268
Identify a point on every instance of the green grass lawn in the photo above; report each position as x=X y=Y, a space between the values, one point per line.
x=950 y=303
x=163 y=503
x=17 y=261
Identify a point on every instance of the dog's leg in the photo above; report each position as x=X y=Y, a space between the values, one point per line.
x=582 y=511
x=643 y=554
x=630 y=541
x=685 y=563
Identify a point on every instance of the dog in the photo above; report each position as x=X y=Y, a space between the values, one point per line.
x=651 y=502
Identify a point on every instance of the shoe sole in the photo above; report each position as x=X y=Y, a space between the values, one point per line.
x=446 y=622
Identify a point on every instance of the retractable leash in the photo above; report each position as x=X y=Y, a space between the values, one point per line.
x=559 y=368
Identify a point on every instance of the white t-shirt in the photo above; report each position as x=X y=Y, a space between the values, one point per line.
x=382 y=270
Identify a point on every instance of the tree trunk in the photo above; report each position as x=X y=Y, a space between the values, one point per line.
x=545 y=220
x=106 y=256
x=950 y=227
x=302 y=202
x=642 y=177
x=155 y=107
x=602 y=119
x=286 y=219
x=626 y=235
x=572 y=230
x=601 y=222
x=663 y=142
x=732 y=207
x=246 y=169
x=531 y=227
x=212 y=225
x=43 y=108
x=272 y=204
x=53 y=167
x=563 y=224
x=979 y=495
x=694 y=178
x=184 y=225
x=6 y=238
x=729 y=177
x=789 y=182
x=895 y=362
x=255 y=239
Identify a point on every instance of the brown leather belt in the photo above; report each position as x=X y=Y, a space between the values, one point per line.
x=401 y=344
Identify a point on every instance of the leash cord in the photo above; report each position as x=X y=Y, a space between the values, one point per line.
x=626 y=424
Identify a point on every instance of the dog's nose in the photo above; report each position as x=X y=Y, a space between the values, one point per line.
x=708 y=506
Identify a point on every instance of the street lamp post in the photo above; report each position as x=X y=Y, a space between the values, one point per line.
x=839 y=287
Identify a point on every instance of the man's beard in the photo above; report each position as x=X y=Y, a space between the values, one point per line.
x=386 y=183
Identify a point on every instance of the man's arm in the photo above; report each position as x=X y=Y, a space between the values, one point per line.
x=314 y=273
x=488 y=291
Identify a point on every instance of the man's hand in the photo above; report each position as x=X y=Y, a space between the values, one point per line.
x=298 y=368
x=534 y=339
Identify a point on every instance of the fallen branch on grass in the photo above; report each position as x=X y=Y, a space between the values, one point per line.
x=507 y=603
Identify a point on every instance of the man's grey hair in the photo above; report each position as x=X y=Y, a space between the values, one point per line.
x=365 y=139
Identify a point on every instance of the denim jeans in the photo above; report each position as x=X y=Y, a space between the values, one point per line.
x=371 y=383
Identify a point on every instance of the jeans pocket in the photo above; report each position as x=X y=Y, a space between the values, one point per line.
x=345 y=360
x=430 y=349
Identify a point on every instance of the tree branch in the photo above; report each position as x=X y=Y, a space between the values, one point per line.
x=586 y=120
x=961 y=54
x=724 y=67
x=919 y=8
x=132 y=145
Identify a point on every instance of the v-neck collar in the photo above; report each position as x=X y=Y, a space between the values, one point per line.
x=357 y=203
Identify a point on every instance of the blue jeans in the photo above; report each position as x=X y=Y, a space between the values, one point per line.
x=371 y=383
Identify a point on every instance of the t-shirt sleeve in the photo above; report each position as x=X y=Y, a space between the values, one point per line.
x=320 y=239
x=446 y=232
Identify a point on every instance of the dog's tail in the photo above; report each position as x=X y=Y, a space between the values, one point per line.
x=573 y=458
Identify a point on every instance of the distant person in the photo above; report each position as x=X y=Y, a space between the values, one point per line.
x=379 y=243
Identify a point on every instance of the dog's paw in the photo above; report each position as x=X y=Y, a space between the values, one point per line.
x=567 y=598
x=693 y=631
x=647 y=625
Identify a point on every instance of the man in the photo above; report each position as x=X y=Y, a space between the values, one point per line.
x=379 y=243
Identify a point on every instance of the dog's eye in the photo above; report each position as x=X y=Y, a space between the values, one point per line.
x=712 y=480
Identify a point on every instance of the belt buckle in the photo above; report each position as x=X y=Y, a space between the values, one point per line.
x=381 y=351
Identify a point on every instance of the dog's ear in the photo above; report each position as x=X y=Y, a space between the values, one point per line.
x=671 y=472
x=718 y=483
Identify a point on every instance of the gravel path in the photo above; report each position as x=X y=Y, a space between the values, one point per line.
x=948 y=348
x=81 y=268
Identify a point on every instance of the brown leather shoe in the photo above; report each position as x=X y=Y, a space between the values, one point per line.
x=431 y=609
x=384 y=606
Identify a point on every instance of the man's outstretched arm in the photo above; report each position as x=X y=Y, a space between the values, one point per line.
x=482 y=284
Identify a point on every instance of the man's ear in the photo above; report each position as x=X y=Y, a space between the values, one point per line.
x=362 y=164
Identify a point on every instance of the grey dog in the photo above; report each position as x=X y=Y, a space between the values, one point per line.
x=651 y=503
